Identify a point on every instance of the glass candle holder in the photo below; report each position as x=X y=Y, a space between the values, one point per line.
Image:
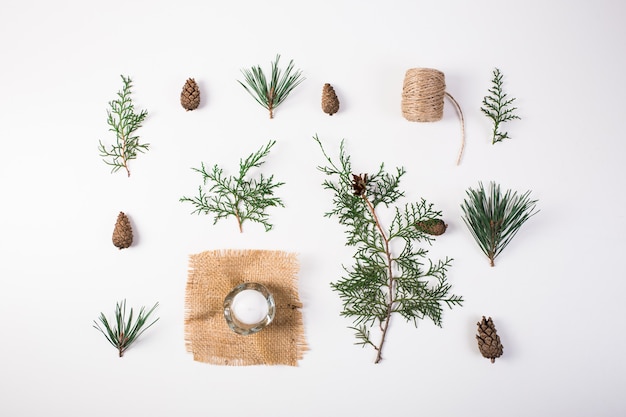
x=249 y=308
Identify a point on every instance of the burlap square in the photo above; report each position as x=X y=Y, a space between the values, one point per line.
x=212 y=274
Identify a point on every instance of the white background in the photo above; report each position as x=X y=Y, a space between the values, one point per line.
x=556 y=293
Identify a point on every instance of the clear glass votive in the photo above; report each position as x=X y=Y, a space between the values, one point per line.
x=249 y=308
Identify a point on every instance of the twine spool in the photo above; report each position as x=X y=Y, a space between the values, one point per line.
x=422 y=95
x=422 y=98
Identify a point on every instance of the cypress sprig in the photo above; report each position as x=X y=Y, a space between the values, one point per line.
x=271 y=94
x=384 y=282
x=123 y=332
x=498 y=108
x=239 y=196
x=494 y=218
x=123 y=120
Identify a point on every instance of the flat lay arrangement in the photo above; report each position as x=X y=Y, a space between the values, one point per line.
x=243 y=306
x=340 y=207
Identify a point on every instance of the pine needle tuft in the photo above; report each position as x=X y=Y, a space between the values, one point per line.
x=271 y=94
x=494 y=218
x=124 y=332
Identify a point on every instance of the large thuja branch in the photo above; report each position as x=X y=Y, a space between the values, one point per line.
x=372 y=292
x=359 y=186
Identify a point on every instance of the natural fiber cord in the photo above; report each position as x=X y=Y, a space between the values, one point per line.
x=422 y=98
x=212 y=275
x=422 y=95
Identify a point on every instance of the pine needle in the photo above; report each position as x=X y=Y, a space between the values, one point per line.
x=271 y=95
x=124 y=332
x=494 y=218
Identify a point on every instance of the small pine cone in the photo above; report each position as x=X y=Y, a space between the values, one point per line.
x=359 y=184
x=123 y=232
x=190 y=96
x=434 y=227
x=330 y=102
x=488 y=340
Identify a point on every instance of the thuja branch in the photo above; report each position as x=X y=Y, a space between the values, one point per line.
x=123 y=120
x=494 y=218
x=498 y=108
x=389 y=262
x=383 y=283
x=271 y=93
x=238 y=195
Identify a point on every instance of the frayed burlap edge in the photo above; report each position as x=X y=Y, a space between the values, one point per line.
x=212 y=274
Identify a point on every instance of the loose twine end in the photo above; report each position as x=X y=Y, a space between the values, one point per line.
x=460 y=113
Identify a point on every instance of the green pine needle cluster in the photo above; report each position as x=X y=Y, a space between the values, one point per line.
x=271 y=94
x=384 y=282
x=123 y=120
x=498 y=108
x=123 y=332
x=239 y=196
x=494 y=218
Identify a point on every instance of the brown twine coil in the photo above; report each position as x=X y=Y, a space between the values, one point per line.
x=422 y=98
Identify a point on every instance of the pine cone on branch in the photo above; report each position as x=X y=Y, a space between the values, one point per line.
x=330 y=102
x=488 y=340
x=190 y=96
x=433 y=227
x=123 y=232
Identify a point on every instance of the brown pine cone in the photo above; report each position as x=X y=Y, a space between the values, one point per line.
x=359 y=184
x=123 y=232
x=434 y=227
x=488 y=340
x=330 y=102
x=190 y=96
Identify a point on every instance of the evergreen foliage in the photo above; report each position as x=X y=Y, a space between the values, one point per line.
x=498 y=108
x=494 y=218
x=382 y=282
x=123 y=120
x=124 y=332
x=239 y=196
x=271 y=94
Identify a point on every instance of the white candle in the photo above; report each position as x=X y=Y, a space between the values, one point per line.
x=250 y=307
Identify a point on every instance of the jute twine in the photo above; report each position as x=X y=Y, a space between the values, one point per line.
x=422 y=98
x=212 y=275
